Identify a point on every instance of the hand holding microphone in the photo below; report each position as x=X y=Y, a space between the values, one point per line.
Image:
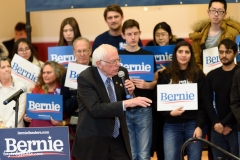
x=126 y=84
x=129 y=88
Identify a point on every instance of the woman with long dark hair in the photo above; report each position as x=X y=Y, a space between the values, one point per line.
x=69 y=31
x=181 y=125
x=162 y=36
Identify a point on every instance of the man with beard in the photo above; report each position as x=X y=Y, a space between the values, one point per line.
x=217 y=89
x=113 y=16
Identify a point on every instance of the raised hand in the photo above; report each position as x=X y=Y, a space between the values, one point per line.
x=138 y=101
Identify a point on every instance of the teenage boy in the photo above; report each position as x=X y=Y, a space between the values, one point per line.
x=139 y=119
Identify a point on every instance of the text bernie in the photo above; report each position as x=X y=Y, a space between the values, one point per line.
x=137 y=67
x=176 y=97
x=62 y=58
x=43 y=106
x=33 y=145
x=24 y=73
x=212 y=60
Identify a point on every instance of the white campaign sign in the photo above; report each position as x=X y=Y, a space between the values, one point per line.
x=73 y=71
x=25 y=71
x=211 y=59
x=172 y=96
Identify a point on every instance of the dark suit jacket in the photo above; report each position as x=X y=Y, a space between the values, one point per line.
x=9 y=45
x=97 y=116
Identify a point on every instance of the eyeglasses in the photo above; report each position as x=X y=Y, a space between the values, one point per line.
x=215 y=11
x=115 y=61
x=163 y=34
x=23 y=50
x=85 y=51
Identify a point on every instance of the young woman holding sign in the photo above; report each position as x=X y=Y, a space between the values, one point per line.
x=162 y=36
x=181 y=125
x=25 y=49
x=49 y=81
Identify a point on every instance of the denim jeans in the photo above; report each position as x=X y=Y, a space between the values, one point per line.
x=139 y=122
x=239 y=144
x=174 y=135
x=227 y=142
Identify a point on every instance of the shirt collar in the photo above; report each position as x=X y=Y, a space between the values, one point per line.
x=104 y=78
x=12 y=85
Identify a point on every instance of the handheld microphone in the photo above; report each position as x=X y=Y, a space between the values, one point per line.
x=15 y=95
x=121 y=75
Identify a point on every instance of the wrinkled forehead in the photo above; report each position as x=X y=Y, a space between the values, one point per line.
x=4 y=61
x=111 y=53
x=48 y=67
x=81 y=44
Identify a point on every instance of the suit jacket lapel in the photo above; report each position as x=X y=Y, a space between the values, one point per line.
x=100 y=84
x=116 y=87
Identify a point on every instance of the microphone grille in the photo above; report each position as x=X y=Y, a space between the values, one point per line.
x=24 y=89
x=121 y=74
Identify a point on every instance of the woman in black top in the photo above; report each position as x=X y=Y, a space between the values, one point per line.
x=181 y=125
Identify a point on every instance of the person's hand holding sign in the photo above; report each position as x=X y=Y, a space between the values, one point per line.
x=26 y=118
x=177 y=112
x=2 y=125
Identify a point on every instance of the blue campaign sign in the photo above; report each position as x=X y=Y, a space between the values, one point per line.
x=238 y=45
x=139 y=66
x=238 y=39
x=61 y=54
x=163 y=54
x=34 y=143
x=44 y=106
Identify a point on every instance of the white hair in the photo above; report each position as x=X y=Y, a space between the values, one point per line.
x=100 y=52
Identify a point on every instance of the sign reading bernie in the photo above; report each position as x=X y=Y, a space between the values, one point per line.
x=34 y=143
